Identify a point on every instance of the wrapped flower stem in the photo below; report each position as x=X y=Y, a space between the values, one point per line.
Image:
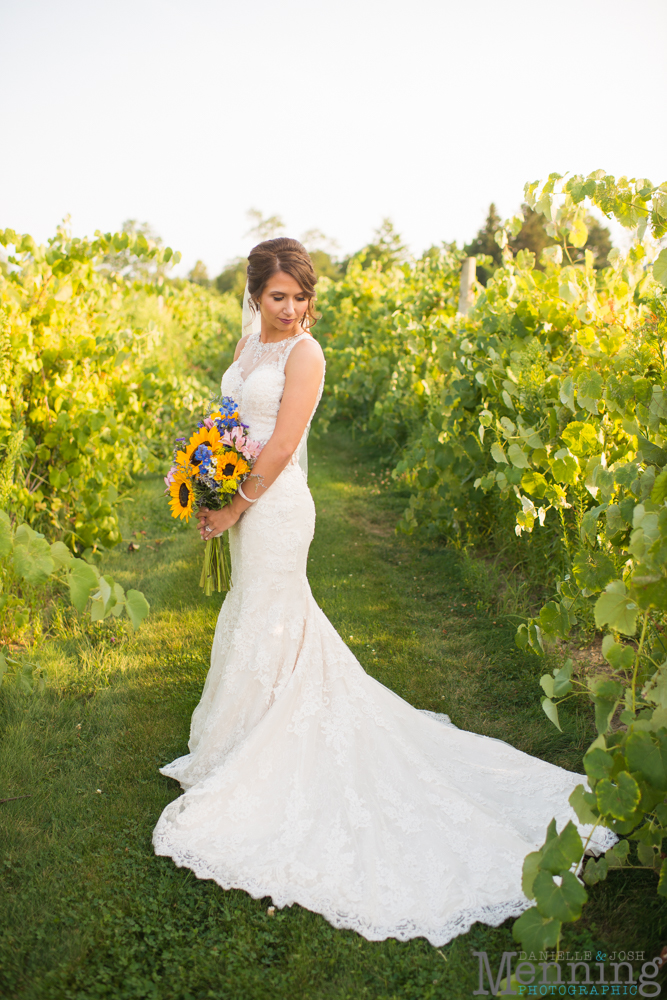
x=216 y=571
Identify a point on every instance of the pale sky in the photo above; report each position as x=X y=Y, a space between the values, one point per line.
x=331 y=115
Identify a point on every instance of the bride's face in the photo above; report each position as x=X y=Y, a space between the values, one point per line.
x=283 y=304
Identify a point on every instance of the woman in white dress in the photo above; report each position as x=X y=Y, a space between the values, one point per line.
x=307 y=780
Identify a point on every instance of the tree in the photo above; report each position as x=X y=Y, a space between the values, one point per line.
x=264 y=228
x=484 y=242
x=325 y=265
x=322 y=250
x=599 y=241
x=232 y=278
x=533 y=236
x=387 y=248
x=199 y=275
x=436 y=250
x=128 y=264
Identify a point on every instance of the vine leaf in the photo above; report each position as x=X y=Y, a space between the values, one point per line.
x=82 y=579
x=551 y=711
x=562 y=683
x=648 y=758
x=535 y=932
x=598 y=763
x=617 y=855
x=615 y=608
x=660 y=267
x=32 y=556
x=659 y=491
x=618 y=800
x=593 y=570
x=498 y=454
x=531 y=866
x=518 y=457
x=60 y=554
x=563 y=902
x=562 y=850
x=596 y=871
x=137 y=607
x=584 y=803
x=662 y=881
x=619 y=656
x=5 y=534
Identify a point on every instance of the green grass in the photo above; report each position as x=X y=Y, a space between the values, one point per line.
x=89 y=912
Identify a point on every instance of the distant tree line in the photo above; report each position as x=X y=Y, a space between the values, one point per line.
x=533 y=236
x=232 y=278
x=387 y=248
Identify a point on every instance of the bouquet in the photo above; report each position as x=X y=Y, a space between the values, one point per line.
x=206 y=472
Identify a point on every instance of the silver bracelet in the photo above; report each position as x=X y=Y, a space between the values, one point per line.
x=240 y=490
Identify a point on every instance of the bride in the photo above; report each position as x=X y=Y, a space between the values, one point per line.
x=307 y=780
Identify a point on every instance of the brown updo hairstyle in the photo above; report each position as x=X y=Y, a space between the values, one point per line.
x=290 y=257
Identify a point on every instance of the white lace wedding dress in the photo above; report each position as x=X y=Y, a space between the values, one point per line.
x=309 y=781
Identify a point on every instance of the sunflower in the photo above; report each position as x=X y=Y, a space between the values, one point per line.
x=182 y=463
x=182 y=495
x=210 y=437
x=229 y=465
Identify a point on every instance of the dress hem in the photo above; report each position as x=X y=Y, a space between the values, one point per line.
x=491 y=914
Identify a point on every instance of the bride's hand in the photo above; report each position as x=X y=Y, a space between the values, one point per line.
x=213 y=522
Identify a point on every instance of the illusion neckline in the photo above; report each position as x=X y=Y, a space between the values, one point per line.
x=277 y=343
x=258 y=368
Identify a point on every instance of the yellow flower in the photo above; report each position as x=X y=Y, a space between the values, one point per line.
x=182 y=495
x=229 y=465
x=218 y=415
x=183 y=462
x=209 y=437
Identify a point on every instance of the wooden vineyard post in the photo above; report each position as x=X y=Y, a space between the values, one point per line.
x=467 y=281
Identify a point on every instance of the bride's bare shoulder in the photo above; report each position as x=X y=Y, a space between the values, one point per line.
x=307 y=347
x=241 y=344
x=306 y=360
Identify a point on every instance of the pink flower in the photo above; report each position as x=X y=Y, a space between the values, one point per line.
x=169 y=478
x=251 y=449
x=234 y=438
x=208 y=423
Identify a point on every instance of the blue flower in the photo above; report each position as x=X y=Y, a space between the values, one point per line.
x=226 y=423
x=227 y=406
x=202 y=457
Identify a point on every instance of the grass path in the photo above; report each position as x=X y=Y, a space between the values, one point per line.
x=87 y=909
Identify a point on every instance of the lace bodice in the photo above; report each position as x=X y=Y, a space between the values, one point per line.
x=256 y=381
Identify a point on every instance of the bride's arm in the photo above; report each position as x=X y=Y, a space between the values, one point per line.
x=303 y=375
